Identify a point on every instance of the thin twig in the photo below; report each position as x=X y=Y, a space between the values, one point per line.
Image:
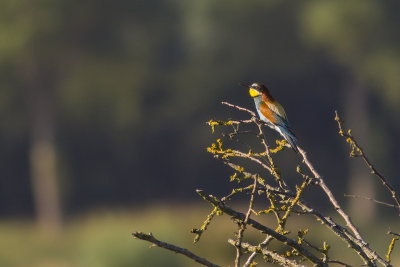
x=373 y=200
x=274 y=172
x=150 y=238
x=350 y=139
x=311 y=245
x=203 y=228
x=265 y=188
x=284 y=218
x=275 y=256
x=237 y=191
x=391 y=247
x=339 y=262
x=237 y=153
x=393 y=233
x=243 y=225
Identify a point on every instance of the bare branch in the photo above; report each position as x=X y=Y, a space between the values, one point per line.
x=150 y=238
x=372 y=255
x=239 y=108
x=357 y=241
x=330 y=195
x=240 y=216
x=341 y=232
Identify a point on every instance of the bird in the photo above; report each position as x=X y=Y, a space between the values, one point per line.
x=272 y=113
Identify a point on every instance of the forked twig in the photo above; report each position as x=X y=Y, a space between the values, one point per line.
x=262 y=245
x=265 y=252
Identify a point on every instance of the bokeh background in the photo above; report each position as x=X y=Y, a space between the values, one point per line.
x=103 y=107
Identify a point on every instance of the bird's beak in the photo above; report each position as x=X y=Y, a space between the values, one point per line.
x=245 y=84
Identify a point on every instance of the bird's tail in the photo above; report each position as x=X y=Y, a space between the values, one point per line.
x=289 y=137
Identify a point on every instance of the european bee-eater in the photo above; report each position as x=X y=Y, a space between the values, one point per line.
x=272 y=113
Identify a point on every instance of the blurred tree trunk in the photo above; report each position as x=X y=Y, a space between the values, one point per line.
x=40 y=100
x=360 y=183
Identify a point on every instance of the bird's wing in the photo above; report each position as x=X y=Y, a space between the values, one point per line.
x=275 y=113
x=278 y=109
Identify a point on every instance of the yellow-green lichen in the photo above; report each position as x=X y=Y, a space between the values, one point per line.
x=214 y=123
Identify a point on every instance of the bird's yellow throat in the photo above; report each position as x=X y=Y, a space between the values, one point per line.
x=253 y=93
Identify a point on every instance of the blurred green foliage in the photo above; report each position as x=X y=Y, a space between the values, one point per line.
x=362 y=37
x=103 y=239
